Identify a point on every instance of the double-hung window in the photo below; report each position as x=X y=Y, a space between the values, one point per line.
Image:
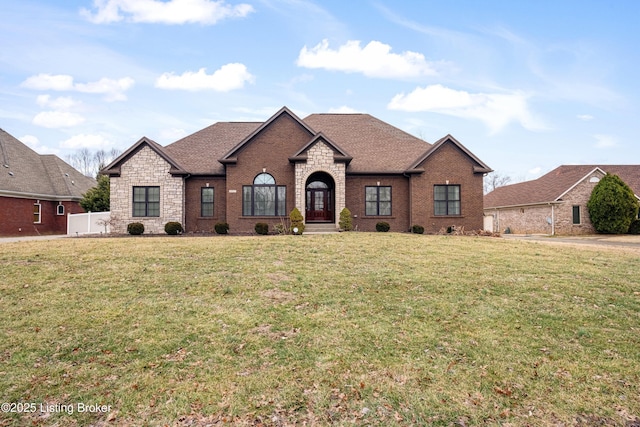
x=576 y=214
x=377 y=201
x=37 y=213
x=146 y=201
x=264 y=197
x=446 y=200
x=206 y=201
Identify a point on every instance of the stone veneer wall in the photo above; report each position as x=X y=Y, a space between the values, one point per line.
x=146 y=168
x=320 y=159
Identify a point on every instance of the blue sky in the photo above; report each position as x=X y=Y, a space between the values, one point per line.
x=525 y=85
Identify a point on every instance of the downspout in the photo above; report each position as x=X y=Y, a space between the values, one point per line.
x=553 y=219
x=406 y=175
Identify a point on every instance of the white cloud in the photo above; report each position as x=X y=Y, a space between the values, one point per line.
x=605 y=141
x=112 y=89
x=49 y=82
x=57 y=119
x=34 y=143
x=343 y=110
x=227 y=78
x=172 y=134
x=373 y=60
x=534 y=171
x=60 y=103
x=85 y=141
x=585 y=117
x=165 y=12
x=495 y=110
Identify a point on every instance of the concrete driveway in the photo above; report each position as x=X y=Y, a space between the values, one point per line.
x=30 y=238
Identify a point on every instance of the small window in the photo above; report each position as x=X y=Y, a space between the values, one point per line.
x=576 y=215
x=377 y=201
x=206 y=201
x=446 y=200
x=146 y=201
x=60 y=209
x=37 y=213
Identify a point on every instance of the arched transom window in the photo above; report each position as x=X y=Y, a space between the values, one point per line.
x=264 y=197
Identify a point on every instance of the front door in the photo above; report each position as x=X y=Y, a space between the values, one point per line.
x=319 y=207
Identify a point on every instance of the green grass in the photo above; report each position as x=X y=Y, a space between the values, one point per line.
x=374 y=329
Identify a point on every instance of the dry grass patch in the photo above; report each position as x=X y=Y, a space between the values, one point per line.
x=391 y=329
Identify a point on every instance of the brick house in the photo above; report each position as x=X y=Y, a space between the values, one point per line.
x=243 y=173
x=555 y=203
x=37 y=192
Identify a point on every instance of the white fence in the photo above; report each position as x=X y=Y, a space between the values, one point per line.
x=88 y=223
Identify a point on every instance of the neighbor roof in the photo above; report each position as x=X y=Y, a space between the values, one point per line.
x=25 y=173
x=550 y=187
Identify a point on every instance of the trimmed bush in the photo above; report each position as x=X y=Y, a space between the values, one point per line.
x=221 y=228
x=612 y=206
x=135 y=228
x=173 y=228
x=346 y=221
x=634 y=228
x=262 y=228
x=417 y=229
x=297 y=221
x=383 y=226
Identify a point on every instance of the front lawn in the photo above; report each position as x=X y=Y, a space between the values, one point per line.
x=365 y=328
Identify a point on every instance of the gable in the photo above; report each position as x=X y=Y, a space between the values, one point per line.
x=449 y=143
x=283 y=128
x=114 y=168
x=339 y=155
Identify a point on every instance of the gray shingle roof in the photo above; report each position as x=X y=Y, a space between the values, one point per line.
x=23 y=172
x=549 y=187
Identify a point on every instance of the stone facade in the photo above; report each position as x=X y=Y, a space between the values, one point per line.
x=146 y=168
x=320 y=159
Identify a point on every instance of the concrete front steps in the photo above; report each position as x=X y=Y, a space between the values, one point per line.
x=320 y=228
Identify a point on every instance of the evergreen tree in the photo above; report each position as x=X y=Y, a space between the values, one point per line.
x=97 y=198
x=612 y=206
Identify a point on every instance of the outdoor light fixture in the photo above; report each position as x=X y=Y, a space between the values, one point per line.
x=295 y=230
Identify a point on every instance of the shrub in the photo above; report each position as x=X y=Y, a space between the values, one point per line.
x=221 y=228
x=417 y=229
x=346 y=221
x=135 y=228
x=383 y=226
x=173 y=228
x=262 y=228
x=634 y=228
x=612 y=205
x=297 y=221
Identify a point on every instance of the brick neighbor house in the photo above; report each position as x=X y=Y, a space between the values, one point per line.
x=37 y=192
x=555 y=203
x=244 y=173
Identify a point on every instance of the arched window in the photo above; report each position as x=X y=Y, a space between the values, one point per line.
x=264 y=197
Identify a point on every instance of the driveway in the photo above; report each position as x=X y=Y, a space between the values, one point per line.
x=602 y=240
x=29 y=238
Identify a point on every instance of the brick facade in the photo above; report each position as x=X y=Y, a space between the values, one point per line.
x=17 y=219
x=291 y=152
x=550 y=218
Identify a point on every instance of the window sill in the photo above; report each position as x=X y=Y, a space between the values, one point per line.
x=447 y=216
x=378 y=217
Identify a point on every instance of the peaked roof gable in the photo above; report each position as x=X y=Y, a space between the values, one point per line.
x=229 y=157
x=338 y=153
x=551 y=187
x=113 y=169
x=25 y=173
x=479 y=167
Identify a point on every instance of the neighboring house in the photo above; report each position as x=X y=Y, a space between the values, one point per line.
x=244 y=173
x=36 y=191
x=555 y=203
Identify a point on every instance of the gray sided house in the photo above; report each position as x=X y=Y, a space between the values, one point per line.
x=37 y=191
x=555 y=203
x=243 y=173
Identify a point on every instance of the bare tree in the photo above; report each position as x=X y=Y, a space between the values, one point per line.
x=90 y=163
x=494 y=180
